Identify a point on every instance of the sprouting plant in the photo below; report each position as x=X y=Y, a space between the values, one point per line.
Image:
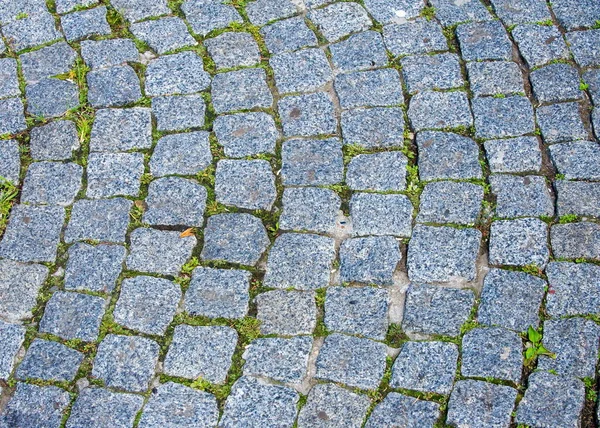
x=534 y=346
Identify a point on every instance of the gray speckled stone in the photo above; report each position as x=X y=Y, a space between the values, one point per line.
x=116 y=130
x=306 y=115
x=126 y=362
x=374 y=127
x=181 y=73
x=386 y=11
x=495 y=77
x=286 y=313
x=176 y=113
x=381 y=172
x=103 y=220
x=204 y=17
x=54 y=141
x=358 y=52
x=492 y=353
x=513 y=12
x=511 y=299
x=450 y=202
x=33 y=233
x=176 y=405
x=9 y=82
x=576 y=240
x=312 y=162
x=576 y=13
x=555 y=83
x=476 y=404
x=31 y=31
x=147 y=304
x=518 y=196
x=164 y=34
x=519 y=242
x=85 y=23
x=113 y=87
x=575 y=287
x=575 y=343
x=94 y=268
x=48 y=360
x=234 y=237
x=596 y=122
x=174 y=201
x=450 y=12
x=422 y=72
x=561 y=122
x=288 y=35
x=12 y=337
x=584 y=44
x=551 y=400
x=136 y=10
x=203 y=352
x=19 y=287
x=484 y=40
x=443 y=254
x=262 y=11
x=430 y=309
x=245 y=183
x=10 y=11
x=51 y=183
x=329 y=405
x=241 y=90
x=514 y=155
x=374 y=214
x=254 y=403
x=340 y=19
x=183 y=154
x=284 y=360
x=159 y=251
x=369 y=88
x=402 y=410
x=106 y=53
x=439 y=110
x=51 y=97
x=352 y=361
x=540 y=44
x=218 y=293
x=34 y=406
x=230 y=50
x=370 y=260
x=112 y=174
x=577 y=160
x=10 y=161
x=577 y=197
x=246 y=134
x=73 y=316
x=301 y=261
x=358 y=311
x=98 y=407
x=414 y=37
x=426 y=367
x=503 y=117
x=301 y=71
x=49 y=61
x=310 y=209
x=12 y=118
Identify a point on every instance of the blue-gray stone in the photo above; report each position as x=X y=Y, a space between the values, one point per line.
x=340 y=19
x=12 y=118
x=262 y=11
x=513 y=12
x=288 y=35
x=174 y=201
x=286 y=313
x=450 y=202
x=575 y=287
x=577 y=160
x=332 y=405
x=52 y=60
x=307 y=115
x=576 y=240
x=484 y=40
x=402 y=410
x=106 y=53
x=514 y=155
x=422 y=72
x=48 y=360
x=181 y=73
x=381 y=172
x=9 y=82
x=19 y=287
x=241 y=90
x=373 y=127
x=451 y=12
x=359 y=52
x=555 y=83
x=33 y=30
x=521 y=196
x=98 y=407
x=10 y=11
x=246 y=184
x=182 y=154
x=301 y=71
x=370 y=88
x=520 y=242
x=113 y=86
x=73 y=316
x=309 y=209
x=205 y=17
x=374 y=214
x=51 y=97
x=584 y=44
x=495 y=77
x=540 y=44
x=503 y=117
x=414 y=37
x=121 y=130
x=246 y=134
x=561 y=122
x=112 y=174
x=229 y=50
x=389 y=11
x=370 y=260
x=10 y=161
x=577 y=197
x=312 y=162
x=82 y=24
x=103 y=220
x=439 y=110
x=12 y=337
x=576 y=13
x=34 y=406
x=51 y=183
x=94 y=268
x=53 y=141
x=164 y=34
x=136 y=10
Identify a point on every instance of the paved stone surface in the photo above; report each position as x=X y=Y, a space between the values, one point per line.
x=245 y=211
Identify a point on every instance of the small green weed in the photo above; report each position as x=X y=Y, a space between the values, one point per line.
x=8 y=196
x=534 y=347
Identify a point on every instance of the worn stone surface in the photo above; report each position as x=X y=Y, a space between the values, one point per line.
x=451 y=12
x=35 y=406
x=19 y=287
x=51 y=97
x=521 y=196
x=450 y=202
x=381 y=172
x=560 y=123
x=98 y=407
x=106 y=53
x=371 y=88
x=230 y=50
x=398 y=409
x=514 y=155
x=306 y=115
x=51 y=183
x=113 y=87
x=555 y=83
x=340 y=19
x=503 y=117
x=287 y=35
x=181 y=154
x=373 y=127
x=374 y=214
x=114 y=174
x=331 y=405
x=521 y=242
x=414 y=37
x=54 y=141
x=286 y=313
x=241 y=90
x=94 y=268
x=310 y=209
x=575 y=287
x=576 y=241
x=49 y=61
x=284 y=360
x=246 y=134
x=583 y=46
x=301 y=71
x=12 y=118
x=358 y=52
x=12 y=336
x=513 y=12
x=540 y=44
x=312 y=162
x=103 y=220
x=577 y=197
x=369 y=260
x=174 y=201
x=179 y=112
x=10 y=161
x=577 y=160
x=48 y=360
x=164 y=34
x=204 y=17
x=484 y=40
x=85 y=23
x=495 y=78
x=117 y=130
x=422 y=72
x=444 y=155
x=181 y=73
x=245 y=183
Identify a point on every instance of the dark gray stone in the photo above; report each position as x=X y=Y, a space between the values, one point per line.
x=10 y=161
x=518 y=196
x=147 y=304
x=33 y=233
x=301 y=261
x=425 y=367
x=103 y=220
x=181 y=73
x=117 y=130
x=9 y=82
x=48 y=360
x=159 y=251
x=286 y=313
x=451 y=12
x=164 y=34
x=577 y=197
x=204 y=17
x=34 y=406
x=414 y=37
x=12 y=337
x=330 y=405
x=370 y=88
x=358 y=311
x=575 y=287
x=182 y=154
x=136 y=10
x=174 y=201
x=307 y=115
x=73 y=316
x=241 y=90
x=373 y=127
x=33 y=30
x=218 y=293
x=51 y=183
x=340 y=19
x=19 y=287
x=288 y=35
x=230 y=50
x=561 y=122
x=513 y=12
x=578 y=160
x=301 y=71
x=246 y=134
x=503 y=117
x=495 y=77
x=54 y=141
x=94 y=268
x=374 y=214
x=393 y=11
x=381 y=172
x=113 y=87
x=106 y=53
x=540 y=44
x=484 y=40
x=12 y=118
x=358 y=52
x=519 y=242
x=555 y=83
x=112 y=174
x=584 y=44
x=422 y=72
x=85 y=23
x=576 y=240
x=514 y=155
x=439 y=110
x=312 y=162
x=402 y=410
x=246 y=184
x=443 y=254
x=511 y=299
x=352 y=361
x=370 y=260
x=309 y=209
x=98 y=407
x=234 y=237
x=51 y=97
x=450 y=202
x=203 y=352
x=52 y=60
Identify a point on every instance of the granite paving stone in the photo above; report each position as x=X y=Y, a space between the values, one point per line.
x=440 y=110
x=119 y=130
x=577 y=197
x=33 y=30
x=109 y=52
x=126 y=362
x=503 y=117
x=371 y=88
x=229 y=50
x=174 y=201
x=555 y=83
x=451 y=12
x=434 y=310
x=46 y=360
x=51 y=97
x=514 y=155
x=484 y=41
x=596 y=121
x=309 y=209
x=287 y=35
x=312 y=162
x=94 y=268
x=234 y=237
x=246 y=184
x=360 y=51
x=573 y=14
x=575 y=287
x=373 y=127
x=374 y=214
x=414 y=37
x=12 y=117
x=521 y=196
x=286 y=313
x=422 y=72
x=181 y=73
x=262 y=11
x=300 y=71
x=306 y=115
x=12 y=336
x=332 y=405
x=241 y=90
x=159 y=251
x=99 y=407
x=205 y=17
x=577 y=160
x=19 y=287
x=540 y=44
x=560 y=123
x=392 y=11
x=113 y=87
x=10 y=161
x=218 y=293
x=521 y=242
x=102 y=220
x=54 y=141
x=450 y=202
x=584 y=45
x=201 y=352
x=9 y=82
x=137 y=10
x=513 y=12
x=181 y=154
x=399 y=409
x=114 y=174
x=49 y=61
x=10 y=11
x=340 y=19
x=35 y=406
x=85 y=23
x=495 y=78
x=385 y=171
x=51 y=183
x=164 y=34
x=246 y=134
x=369 y=260
x=576 y=240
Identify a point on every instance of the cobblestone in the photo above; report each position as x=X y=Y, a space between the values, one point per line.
x=439 y=110
x=447 y=156
x=54 y=141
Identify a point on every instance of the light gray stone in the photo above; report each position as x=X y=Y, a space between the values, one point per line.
x=51 y=183
x=402 y=410
x=330 y=405
x=12 y=118
x=495 y=77
x=450 y=202
x=113 y=87
x=182 y=154
x=310 y=209
x=370 y=260
x=262 y=11
x=373 y=127
x=519 y=242
x=306 y=115
x=174 y=201
x=360 y=51
x=10 y=161
x=584 y=44
x=94 y=268
x=374 y=214
x=484 y=40
x=577 y=160
x=106 y=53
x=103 y=220
x=451 y=12
x=48 y=360
x=577 y=197
x=230 y=50
x=54 y=141
x=246 y=134
x=51 y=97
x=181 y=73
x=301 y=71
x=136 y=10
x=340 y=19
x=576 y=240
x=286 y=313
x=287 y=35
x=514 y=155
x=19 y=287
x=114 y=174
x=33 y=30
x=385 y=11
x=413 y=37
x=9 y=82
x=371 y=88
x=98 y=407
x=503 y=117
x=440 y=110
x=540 y=44
x=163 y=35
x=312 y=162
x=85 y=23
x=521 y=196
x=34 y=406
x=422 y=72
x=513 y=12
x=120 y=130
x=246 y=184
x=241 y=90
x=385 y=171
x=12 y=337
x=560 y=123
x=575 y=288
x=204 y=17
x=52 y=60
